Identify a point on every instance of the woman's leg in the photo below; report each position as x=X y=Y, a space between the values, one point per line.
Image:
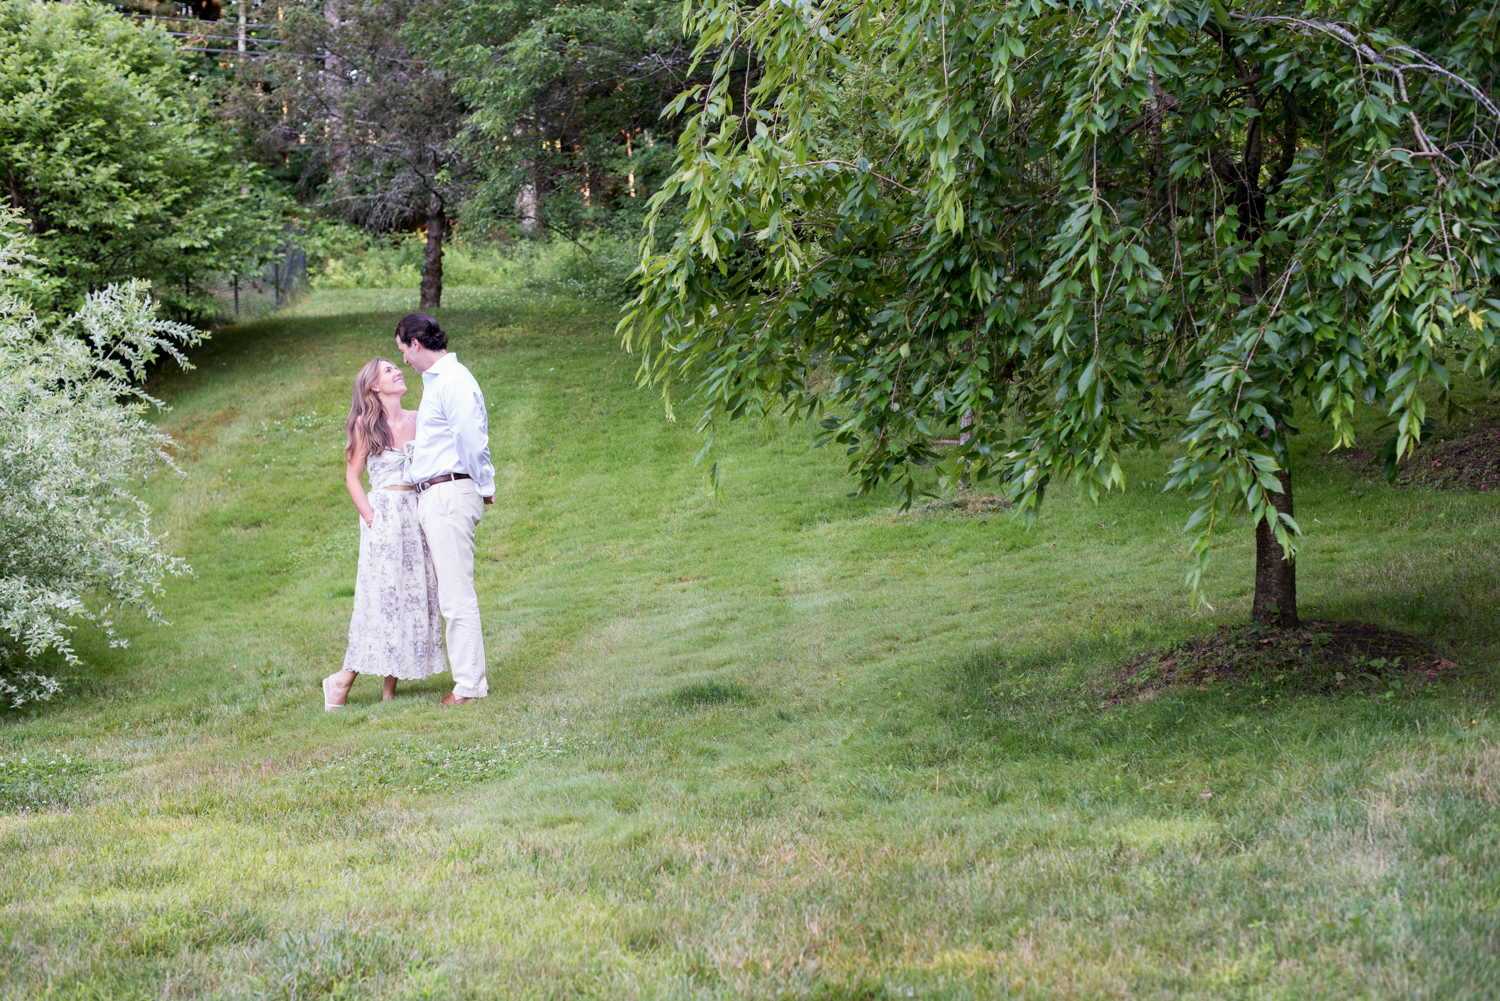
x=340 y=684
x=390 y=688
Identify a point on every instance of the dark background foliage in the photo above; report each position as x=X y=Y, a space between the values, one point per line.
x=110 y=151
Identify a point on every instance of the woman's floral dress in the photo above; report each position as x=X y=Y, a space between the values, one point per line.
x=396 y=628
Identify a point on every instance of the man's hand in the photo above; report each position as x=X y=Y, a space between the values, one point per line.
x=489 y=500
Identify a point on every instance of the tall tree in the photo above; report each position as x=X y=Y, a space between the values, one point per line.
x=111 y=154
x=1065 y=218
x=375 y=124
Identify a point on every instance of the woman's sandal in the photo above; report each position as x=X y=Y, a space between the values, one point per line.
x=328 y=704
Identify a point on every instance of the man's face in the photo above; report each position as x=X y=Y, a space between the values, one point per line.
x=415 y=355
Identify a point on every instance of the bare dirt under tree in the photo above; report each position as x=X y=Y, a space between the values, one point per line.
x=1455 y=458
x=964 y=503
x=1315 y=656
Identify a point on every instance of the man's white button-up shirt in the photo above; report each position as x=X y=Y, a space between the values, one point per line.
x=453 y=427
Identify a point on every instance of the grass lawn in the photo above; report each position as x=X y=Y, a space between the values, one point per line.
x=787 y=745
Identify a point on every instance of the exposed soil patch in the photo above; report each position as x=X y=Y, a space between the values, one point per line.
x=192 y=436
x=1317 y=656
x=1454 y=459
x=967 y=502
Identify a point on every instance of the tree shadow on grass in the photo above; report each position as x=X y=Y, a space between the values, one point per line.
x=1065 y=703
x=1444 y=593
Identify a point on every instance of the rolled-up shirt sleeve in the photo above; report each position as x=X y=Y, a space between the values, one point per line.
x=471 y=430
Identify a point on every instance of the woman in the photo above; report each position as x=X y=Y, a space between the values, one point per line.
x=396 y=628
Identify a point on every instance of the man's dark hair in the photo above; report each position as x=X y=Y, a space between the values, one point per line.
x=423 y=329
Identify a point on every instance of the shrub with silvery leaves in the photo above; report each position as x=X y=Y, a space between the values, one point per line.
x=75 y=542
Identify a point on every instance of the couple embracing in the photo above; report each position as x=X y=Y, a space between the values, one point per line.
x=430 y=477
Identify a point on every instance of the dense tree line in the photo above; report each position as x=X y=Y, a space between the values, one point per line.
x=376 y=130
x=567 y=103
x=142 y=147
x=510 y=115
x=113 y=156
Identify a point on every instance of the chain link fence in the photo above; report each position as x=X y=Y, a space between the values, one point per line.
x=277 y=283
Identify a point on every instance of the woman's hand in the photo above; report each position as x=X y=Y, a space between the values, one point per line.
x=352 y=480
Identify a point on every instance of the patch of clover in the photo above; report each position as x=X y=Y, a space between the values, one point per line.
x=35 y=781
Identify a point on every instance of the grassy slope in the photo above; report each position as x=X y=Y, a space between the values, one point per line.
x=792 y=744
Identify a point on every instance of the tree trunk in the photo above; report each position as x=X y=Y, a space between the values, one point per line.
x=965 y=432
x=1275 y=576
x=334 y=84
x=526 y=199
x=432 y=266
x=526 y=207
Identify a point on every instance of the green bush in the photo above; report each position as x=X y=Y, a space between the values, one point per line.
x=107 y=148
x=74 y=441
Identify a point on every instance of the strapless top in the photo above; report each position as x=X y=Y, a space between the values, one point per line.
x=387 y=469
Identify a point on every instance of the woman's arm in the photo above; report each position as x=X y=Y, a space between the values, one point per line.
x=353 y=479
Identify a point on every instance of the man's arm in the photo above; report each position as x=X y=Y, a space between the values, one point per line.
x=471 y=427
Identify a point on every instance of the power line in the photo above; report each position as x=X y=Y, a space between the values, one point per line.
x=250 y=52
x=227 y=38
x=254 y=25
x=248 y=40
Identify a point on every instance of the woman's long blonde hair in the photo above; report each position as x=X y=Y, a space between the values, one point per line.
x=369 y=433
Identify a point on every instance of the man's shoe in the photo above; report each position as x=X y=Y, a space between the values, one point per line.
x=455 y=700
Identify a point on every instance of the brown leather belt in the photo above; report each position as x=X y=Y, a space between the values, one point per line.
x=425 y=485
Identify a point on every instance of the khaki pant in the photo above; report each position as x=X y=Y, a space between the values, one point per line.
x=449 y=513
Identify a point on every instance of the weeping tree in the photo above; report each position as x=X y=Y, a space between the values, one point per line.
x=1084 y=227
x=376 y=128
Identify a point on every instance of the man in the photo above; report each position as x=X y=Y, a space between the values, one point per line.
x=450 y=464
